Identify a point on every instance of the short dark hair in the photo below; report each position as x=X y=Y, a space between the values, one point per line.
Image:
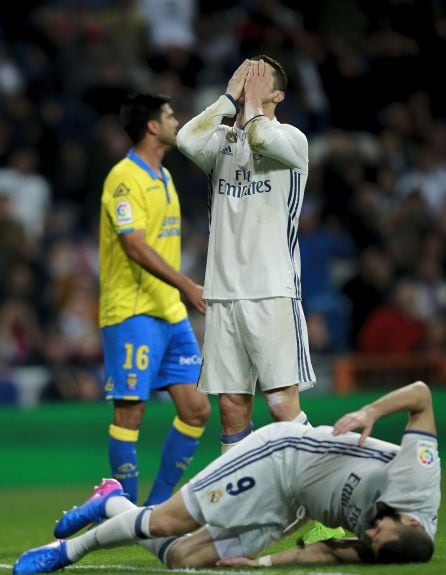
x=413 y=545
x=280 y=79
x=137 y=110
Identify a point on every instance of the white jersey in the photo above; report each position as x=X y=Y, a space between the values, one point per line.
x=255 y=490
x=257 y=181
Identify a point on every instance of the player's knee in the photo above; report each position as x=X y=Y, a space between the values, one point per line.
x=202 y=412
x=196 y=414
x=128 y=415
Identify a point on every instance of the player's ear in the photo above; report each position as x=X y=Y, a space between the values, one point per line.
x=411 y=521
x=278 y=96
x=153 y=127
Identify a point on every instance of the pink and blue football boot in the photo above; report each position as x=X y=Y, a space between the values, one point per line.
x=91 y=511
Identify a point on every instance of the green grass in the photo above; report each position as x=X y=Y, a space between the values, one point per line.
x=51 y=456
x=28 y=516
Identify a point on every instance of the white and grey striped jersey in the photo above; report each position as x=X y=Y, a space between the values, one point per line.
x=257 y=179
x=285 y=469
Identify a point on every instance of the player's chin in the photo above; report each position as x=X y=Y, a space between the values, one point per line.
x=170 y=142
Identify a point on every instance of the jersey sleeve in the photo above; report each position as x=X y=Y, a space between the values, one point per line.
x=124 y=205
x=413 y=482
x=283 y=142
x=199 y=139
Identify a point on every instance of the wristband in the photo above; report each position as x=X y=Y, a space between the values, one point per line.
x=264 y=561
x=236 y=104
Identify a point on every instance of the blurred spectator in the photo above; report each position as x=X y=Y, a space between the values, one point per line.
x=431 y=289
x=320 y=247
x=29 y=192
x=171 y=27
x=20 y=334
x=364 y=86
x=428 y=178
x=394 y=327
x=11 y=78
x=368 y=289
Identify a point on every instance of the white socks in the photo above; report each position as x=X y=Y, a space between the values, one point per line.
x=124 y=529
x=302 y=418
x=118 y=504
x=160 y=546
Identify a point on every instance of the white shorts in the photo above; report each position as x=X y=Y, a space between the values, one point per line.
x=245 y=496
x=250 y=341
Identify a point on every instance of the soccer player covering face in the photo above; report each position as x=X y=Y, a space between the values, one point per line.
x=388 y=495
x=147 y=337
x=255 y=326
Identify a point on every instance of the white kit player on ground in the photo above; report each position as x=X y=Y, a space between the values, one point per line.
x=388 y=495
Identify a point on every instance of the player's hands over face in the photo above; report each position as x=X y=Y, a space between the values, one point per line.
x=194 y=293
x=362 y=419
x=260 y=82
x=236 y=561
x=237 y=82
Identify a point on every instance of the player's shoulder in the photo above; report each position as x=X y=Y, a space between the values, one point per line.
x=120 y=177
x=294 y=132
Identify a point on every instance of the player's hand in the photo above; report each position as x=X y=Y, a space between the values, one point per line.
x=258 y=83
x=362 y=419
x=194 y=293
x=237 y=561
x=237 y=82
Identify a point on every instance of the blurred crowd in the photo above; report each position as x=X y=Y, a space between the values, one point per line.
x=365 y=87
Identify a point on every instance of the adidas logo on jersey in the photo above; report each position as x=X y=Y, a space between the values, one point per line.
x=227 y=150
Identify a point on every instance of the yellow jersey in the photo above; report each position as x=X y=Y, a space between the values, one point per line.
x=134 y=198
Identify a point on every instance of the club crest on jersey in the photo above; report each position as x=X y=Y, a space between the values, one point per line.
x=215 y=495
x=426 y=453
x=124 y=213
x=226 y=151
x=121 y=190
x=231 y=137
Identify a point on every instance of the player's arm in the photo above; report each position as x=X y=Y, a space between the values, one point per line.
x=286 y=144
x=199 y=140
x=136 y=248
x=415 y=398
x=322 y=552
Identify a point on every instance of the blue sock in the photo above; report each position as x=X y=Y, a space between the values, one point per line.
x=178 y=451
x=123 y=459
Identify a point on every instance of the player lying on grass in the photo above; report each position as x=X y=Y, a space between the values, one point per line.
x=387 y=495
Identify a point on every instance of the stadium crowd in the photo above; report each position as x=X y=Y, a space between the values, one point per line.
x=364 y=88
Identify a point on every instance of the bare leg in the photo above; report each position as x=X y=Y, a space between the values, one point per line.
x=235 y=412
x=197 y=550
x=192 y=406
x=283 y=403
x=235 y=416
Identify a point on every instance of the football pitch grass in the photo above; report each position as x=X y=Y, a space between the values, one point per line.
x=51 y=456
